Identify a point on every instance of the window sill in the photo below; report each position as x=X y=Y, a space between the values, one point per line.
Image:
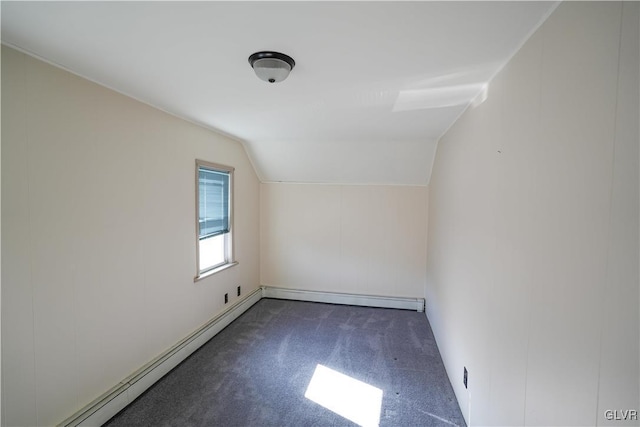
x=214 y=271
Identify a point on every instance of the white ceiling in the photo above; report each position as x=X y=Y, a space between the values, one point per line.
x=374 y=87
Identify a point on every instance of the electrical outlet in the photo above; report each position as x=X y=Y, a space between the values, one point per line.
x=239 y=291
x=226 y=298
x=466 y=374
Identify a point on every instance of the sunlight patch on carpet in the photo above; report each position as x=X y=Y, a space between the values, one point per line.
x=352 y=399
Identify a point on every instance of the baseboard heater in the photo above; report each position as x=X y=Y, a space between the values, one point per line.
x=106 y=406
x=416 y=304
x=113 y=401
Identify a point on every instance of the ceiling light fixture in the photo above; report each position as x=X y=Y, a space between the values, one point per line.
x=271 y=67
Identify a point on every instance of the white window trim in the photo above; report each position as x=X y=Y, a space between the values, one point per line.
x=214 y=270
x=231 y=261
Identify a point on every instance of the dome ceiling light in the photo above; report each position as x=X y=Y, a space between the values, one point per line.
x=271 y=67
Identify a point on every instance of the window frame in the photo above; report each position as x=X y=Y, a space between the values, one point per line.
x=229 y=246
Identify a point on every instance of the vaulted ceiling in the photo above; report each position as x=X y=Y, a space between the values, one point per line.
x=374 y=87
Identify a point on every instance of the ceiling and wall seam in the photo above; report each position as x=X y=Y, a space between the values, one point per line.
x=325 y=125
x=499 y=69
x=356 y=184
x=186 y=119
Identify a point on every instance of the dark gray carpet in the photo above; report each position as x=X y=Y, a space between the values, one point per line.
x=255 y=372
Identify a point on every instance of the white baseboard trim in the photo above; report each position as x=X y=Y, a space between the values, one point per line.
x=416 y=304
x=110 y=403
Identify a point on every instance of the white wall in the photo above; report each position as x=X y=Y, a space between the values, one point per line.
x=533 y=229
x=368 y=240
x=98 y=249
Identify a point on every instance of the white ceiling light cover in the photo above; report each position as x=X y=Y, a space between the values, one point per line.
x=272 y=67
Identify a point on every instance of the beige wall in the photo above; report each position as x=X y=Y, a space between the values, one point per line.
x=368 y=240
x=1 y=414
x=533 y=229
x=98 y=249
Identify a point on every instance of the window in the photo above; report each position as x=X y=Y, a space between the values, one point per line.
x=214 y=217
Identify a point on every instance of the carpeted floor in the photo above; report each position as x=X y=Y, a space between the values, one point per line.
x=256 y=371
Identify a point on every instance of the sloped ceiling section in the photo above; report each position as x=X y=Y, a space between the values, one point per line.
x=374 y=87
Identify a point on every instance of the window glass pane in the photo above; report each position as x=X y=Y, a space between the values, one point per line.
x=213 y=209
x=212 y=251
x=213 y=216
